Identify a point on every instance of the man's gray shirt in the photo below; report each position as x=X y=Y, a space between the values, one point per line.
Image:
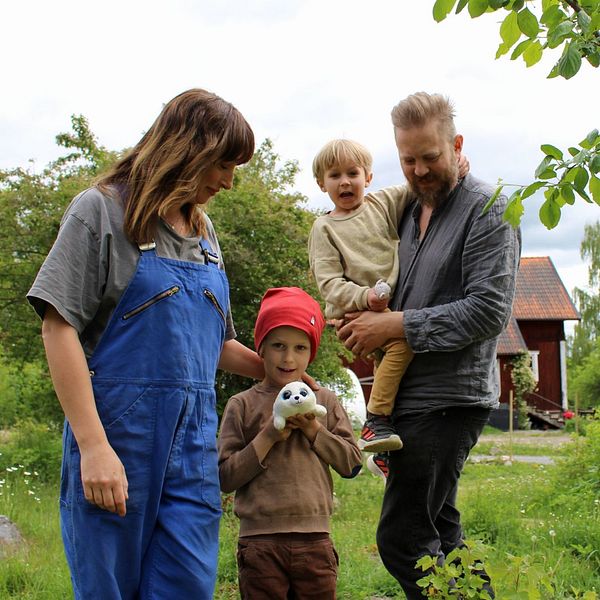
x=456 y=289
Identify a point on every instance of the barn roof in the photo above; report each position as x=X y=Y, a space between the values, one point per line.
x=540 y=293
x=511 y=341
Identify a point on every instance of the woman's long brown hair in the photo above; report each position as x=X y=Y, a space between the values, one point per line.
x=194 y=131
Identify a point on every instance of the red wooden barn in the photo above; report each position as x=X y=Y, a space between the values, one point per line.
x=541 y=307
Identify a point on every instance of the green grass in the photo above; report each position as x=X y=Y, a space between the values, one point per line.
x=515 y=509
x=38 y=571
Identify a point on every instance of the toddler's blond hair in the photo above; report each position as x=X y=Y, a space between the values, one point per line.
x=335 y=152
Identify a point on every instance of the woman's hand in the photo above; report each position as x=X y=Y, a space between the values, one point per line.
x=104 y=479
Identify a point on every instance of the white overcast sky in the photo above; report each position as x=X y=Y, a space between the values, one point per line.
x=301 y=72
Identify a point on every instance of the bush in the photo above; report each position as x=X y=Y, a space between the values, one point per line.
x=36 y=447
x=26 y=392
x=579 y=473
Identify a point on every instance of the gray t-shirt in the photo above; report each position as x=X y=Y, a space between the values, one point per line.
x=91 y=263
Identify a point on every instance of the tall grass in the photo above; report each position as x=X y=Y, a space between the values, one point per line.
x=539 y=522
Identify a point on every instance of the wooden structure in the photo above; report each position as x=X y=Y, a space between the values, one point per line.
x=541 y=306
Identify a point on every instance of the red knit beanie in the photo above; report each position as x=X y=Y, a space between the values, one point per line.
x=293 y=307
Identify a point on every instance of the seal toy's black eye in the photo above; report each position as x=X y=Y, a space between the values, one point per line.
x=287 y=395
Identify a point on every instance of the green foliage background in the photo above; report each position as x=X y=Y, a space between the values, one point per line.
x=262 y=227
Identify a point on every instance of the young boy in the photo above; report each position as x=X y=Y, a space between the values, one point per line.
x=351 y=248
x=283 y=487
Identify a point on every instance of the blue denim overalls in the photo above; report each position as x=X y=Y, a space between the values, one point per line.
x=153 y=375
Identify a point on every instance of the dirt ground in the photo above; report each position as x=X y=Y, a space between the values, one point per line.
x=534 y=438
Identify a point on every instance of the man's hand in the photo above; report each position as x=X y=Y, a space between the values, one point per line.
x=365 y=331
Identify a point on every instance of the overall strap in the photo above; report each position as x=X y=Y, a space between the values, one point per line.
x=211 y=257
x=148 y=247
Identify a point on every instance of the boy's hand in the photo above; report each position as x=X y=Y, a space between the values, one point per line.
x=307 y=423
x=375 y=303
x=274 y=434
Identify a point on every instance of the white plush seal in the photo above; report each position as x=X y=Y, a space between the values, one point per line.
x=295 y=398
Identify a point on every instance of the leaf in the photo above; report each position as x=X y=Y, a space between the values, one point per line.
x=590 y=139
x=514 y=211
x=477 y=7
x=580 y=179
x=493 y=199
x=509 y=30
x=528 y=23
x=442 y=8
x=547 y=3
x=532 y=189
x=594 y=165
x=556 y=35
x=553 y=72
x=567 y=193
x=552 y=151
x=584 y=21
x=584 y=195
x=595 y=189
x=550 y=213
x=570 y=61
x=552 y=16
x=520 y=48
x=460 y=6
x=533 y=54
x=546 y=162
x=594 y=59
x=496 y=4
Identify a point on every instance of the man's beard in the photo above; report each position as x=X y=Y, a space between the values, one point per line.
x=434 y=195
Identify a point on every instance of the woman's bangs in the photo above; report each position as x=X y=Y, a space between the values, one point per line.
x=237 y=142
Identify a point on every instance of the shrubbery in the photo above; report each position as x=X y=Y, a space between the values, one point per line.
x=35 y=447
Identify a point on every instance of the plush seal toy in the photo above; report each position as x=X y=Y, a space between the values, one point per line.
x=295 y=398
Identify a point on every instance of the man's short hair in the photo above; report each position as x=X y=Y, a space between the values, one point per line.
x=418 y=109
x=336 y=151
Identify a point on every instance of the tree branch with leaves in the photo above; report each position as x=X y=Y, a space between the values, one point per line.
x=573 y=26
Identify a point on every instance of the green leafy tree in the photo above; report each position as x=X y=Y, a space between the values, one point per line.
x=523 y=382
x=585 y=380
x=31 y=206
x=584 y=344
x=530 y=30
x=586 y=334
x=263 y=230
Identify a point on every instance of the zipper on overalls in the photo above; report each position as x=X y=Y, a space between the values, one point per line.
x=212 y=298
x=149 y=303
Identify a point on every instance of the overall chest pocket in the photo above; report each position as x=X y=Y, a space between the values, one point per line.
x=167 y=293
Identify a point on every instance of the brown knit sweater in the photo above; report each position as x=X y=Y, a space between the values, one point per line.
x=292 y=490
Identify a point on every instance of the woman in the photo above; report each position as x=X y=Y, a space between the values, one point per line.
x=136 y=319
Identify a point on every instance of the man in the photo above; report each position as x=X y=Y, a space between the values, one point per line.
x=457 y=278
